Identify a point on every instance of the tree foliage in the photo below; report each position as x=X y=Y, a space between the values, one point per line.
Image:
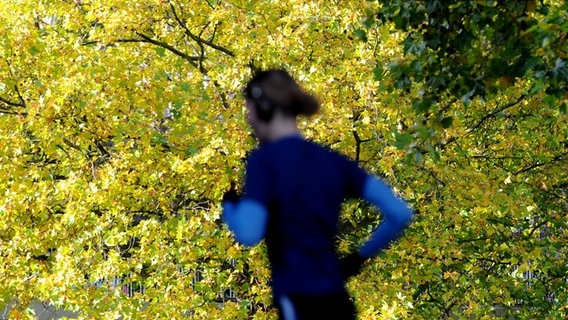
x=487 y=83
x=468 y=49
x=121 y=126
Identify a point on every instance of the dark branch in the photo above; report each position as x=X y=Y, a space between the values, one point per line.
x=559 y=157
x=433 y=175
x=195 y=61
x=10 y=111
x=492 y=114
x=461 y=241
x=164 y=45
x=201 y=42
x=146 y=39
x=11 y=103
x=22 y=102
x=495 y=112
x=198 y=39
x=358 y=142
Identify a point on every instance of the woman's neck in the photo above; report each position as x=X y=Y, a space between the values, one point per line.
x=284 y=127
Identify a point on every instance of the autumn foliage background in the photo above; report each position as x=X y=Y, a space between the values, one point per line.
x=121 y=125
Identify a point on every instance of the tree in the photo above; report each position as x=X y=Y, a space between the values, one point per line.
x=469 y=49
x=121 y=130
x=485 y=151
x=120 y=135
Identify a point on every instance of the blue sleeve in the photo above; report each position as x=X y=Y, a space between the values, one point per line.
x=396 y=216
x=258 y=181
x=247 y=219
x=356 y=178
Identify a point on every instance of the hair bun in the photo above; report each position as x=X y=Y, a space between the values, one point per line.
x=309 y=104
x=278 y=88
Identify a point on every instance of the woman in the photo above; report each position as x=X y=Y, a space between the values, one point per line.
x=292 y=198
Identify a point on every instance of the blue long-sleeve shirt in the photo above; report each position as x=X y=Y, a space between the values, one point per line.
x=292 y=198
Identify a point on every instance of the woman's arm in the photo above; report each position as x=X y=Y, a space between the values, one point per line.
x=396 y=216
x=247 y=219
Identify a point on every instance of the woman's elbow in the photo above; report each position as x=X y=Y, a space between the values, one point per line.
x=249 y=240
x=250 y=234
x=404 y=218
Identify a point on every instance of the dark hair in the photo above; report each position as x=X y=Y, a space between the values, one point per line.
x=276 y=89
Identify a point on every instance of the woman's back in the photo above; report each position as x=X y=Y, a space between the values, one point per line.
x=303 y=184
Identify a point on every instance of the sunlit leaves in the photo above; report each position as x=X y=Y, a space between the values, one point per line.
x=123 y=124
x=122 y=131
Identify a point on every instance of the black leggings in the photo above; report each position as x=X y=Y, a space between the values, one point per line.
x=330 y=306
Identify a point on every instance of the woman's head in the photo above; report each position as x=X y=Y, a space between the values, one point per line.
x=275 y=91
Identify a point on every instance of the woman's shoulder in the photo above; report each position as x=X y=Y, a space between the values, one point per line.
x=299 y=145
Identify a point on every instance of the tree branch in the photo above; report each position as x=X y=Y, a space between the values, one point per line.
x=198 y=39
x=196 y=62
x=559 y=157
x=22 y=102
x=358 y=142
x=164 y=45
x=10 y=111
x=495 y=112
x=461 y=241
x=12 y=104
x=482 y=120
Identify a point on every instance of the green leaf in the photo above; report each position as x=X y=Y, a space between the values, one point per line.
x=369 y=22
x=361 y=35
x=402 y=141
x=185 y=86
x=160 y=51
x=422 y=105
x=34 y=51
x=378 y=72
x=447 y=122
x=159 y=139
